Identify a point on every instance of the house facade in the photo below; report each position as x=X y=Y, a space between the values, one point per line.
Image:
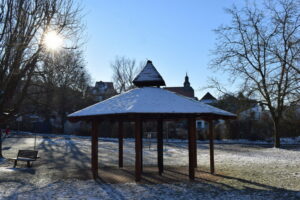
x=101 y=91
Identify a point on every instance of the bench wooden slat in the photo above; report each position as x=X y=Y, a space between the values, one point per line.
x=25 y=159
x=26 y=155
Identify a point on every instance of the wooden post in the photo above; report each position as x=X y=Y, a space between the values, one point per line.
x=196 y=148
x=160 y=158
x=121 y=136
x=192 y=146
x=141 y=132
x=211 y=146
x=95 y=148
x=138 y=156
x=1 y=156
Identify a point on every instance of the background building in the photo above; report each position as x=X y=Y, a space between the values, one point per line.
x=186 y=90
x=101 y=91
x=208 y=99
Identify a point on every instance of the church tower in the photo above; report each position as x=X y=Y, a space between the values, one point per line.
x=186 y=83
x=186 y=90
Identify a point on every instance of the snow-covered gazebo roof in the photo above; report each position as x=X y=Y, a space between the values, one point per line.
x=150 y=100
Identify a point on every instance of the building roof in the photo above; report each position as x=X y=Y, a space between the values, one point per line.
x=149 y=76
x=208 y=96
x=188 y=92
x=149 y=100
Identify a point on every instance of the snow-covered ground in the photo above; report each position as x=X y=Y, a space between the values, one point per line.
x=291 y=140
x=243 y=171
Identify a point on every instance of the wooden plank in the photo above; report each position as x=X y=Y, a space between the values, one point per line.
x=211 y=146
x=121 y=137
x=95 y=148
x=138 y=170
x=160 y=159
x=192 y=146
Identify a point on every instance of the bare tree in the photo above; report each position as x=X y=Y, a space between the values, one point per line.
x=261 y=48
x=23 y=26
x=63 y=81
x=124 y=71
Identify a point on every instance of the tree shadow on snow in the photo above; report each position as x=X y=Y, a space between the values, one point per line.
x=65 y=158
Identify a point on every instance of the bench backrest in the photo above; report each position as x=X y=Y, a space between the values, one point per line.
x=28 y=154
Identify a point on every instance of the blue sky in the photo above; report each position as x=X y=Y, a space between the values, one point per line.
x=175 y=34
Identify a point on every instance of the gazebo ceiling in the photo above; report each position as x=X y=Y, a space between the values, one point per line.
x=149 y=76
x=150 y=100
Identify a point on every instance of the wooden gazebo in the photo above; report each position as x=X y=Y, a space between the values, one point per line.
x=150 y=102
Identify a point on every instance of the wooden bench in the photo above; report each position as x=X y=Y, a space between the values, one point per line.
x=26 y=156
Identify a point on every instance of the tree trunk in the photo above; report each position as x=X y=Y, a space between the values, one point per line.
x=1 y=156
x=63 y=102
x=276 y=133
x=63 y=121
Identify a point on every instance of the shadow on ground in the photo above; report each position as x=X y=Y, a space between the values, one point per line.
x=65 y=167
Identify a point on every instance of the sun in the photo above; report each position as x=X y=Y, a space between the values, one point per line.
x=53 y=41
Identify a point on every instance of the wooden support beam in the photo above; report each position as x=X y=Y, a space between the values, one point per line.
x=196 y=148
x=211 y=146
x=151 y=116
x=192 y=146
x=121 y=136
x=94 y=149
x=138 y=157
x=141 y=132
x=160 y=158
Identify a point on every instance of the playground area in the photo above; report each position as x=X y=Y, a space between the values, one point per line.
x=243 y=171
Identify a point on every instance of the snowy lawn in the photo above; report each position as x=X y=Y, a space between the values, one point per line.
x=63 y=172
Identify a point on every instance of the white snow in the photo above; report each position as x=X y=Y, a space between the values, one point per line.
x=149 y=100
x=284 y=141
x=252 y=159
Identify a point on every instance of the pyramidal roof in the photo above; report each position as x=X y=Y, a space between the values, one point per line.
x=150 y=100
x=149 y=76
x=208 y=96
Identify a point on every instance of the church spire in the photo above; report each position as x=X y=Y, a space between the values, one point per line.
x=186 y=81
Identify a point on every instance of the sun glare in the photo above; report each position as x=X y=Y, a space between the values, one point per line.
x=53 y=41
